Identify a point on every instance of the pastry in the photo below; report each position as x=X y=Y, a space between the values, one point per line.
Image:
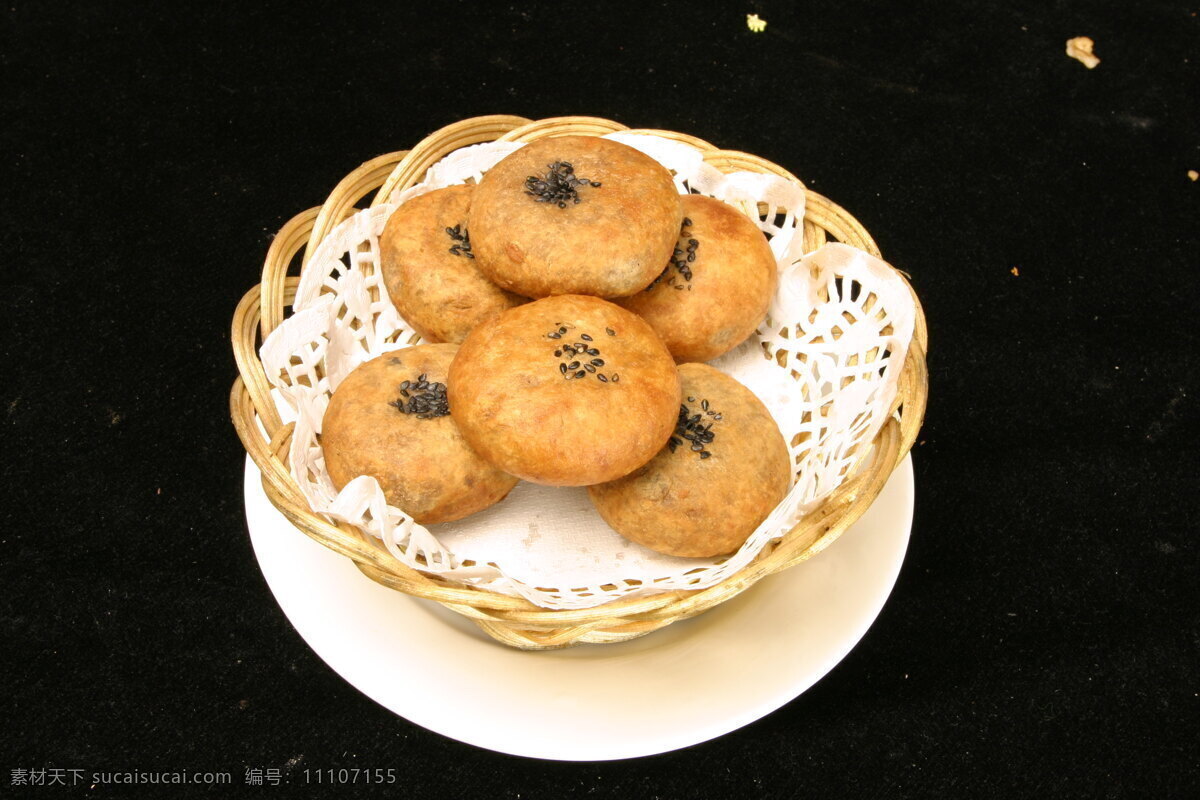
x=724 y=469
x=389 y=419
x=575 y=215
x=430 y=271
x=565 y=391
x=717 y=286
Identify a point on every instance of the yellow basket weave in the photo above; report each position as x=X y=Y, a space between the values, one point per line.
x=514 y=620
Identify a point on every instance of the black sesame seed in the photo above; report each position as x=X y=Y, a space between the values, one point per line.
x=562 y=330
x=559 y=185
x=603 y=378
x=557 y=353
x=591 y=351
x=616 y=378
x=562 y=368
x=687 y=222
x=585 y=337
x=705 y=454
x=428 y=400
x=610 y=331
x=597 y=362
x=580 y=374
x=573 y=365
x=704 y=404
x=555 y=335
x=589 y=367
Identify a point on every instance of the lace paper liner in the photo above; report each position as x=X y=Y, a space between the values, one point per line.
x=826 y=363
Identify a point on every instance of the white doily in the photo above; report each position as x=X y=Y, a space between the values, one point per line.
x=826 y=363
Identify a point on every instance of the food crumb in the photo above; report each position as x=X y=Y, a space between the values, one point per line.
x=754 y=23
x=1193 y=174
x=1080 y=48
x=1015 y=271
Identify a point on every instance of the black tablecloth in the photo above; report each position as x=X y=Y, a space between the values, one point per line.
x=1042 y=638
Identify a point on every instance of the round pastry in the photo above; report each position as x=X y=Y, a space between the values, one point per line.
x=565 y=391
x=430 y=271
x=575 y=215
x=388 y=419
x=722 y=472
x=716 y=288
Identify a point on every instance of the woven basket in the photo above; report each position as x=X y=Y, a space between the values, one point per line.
x=514 y=620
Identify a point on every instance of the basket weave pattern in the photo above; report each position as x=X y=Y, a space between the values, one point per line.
x=513 y=620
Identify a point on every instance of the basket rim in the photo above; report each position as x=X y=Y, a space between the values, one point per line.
x=513 y=620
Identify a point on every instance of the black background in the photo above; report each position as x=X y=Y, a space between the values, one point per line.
x=1042 y=639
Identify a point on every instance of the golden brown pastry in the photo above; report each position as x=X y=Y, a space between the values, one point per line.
x=717 y=287
x=389 y=419
x=430 y=271
x=722 y=472
x=565 y=391
x=575 y=215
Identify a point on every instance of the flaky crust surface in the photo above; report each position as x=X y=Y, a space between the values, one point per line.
x=432 y=279
x=424 y=466
x=684 y=504
x=709 y=305
x=611 y=243
x=556 y=417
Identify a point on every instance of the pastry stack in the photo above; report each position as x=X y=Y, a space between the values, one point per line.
x=567 y=303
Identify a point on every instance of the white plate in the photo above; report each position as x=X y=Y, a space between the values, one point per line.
x=686 y=684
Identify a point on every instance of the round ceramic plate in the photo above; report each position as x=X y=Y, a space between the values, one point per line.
x=685 y=684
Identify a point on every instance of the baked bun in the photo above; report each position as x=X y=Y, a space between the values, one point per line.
x=575 y=215
x=430 y=271
x=722 y=472
x=717 y=287
x=565 y=391
x=388 y=419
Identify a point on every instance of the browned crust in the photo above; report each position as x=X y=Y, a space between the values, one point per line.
x=734 y=276
x=440 y=294
x=424 y=466
x=513 y=404
x=611 y=244
x=684 y=505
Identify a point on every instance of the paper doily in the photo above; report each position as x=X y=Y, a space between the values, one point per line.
x=826 y=363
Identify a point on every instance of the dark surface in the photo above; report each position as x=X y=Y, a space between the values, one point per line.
x=1042 y=639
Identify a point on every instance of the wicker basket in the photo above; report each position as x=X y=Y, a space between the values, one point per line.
x=513 y=620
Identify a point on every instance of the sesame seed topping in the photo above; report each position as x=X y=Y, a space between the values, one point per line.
x=558 y=186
